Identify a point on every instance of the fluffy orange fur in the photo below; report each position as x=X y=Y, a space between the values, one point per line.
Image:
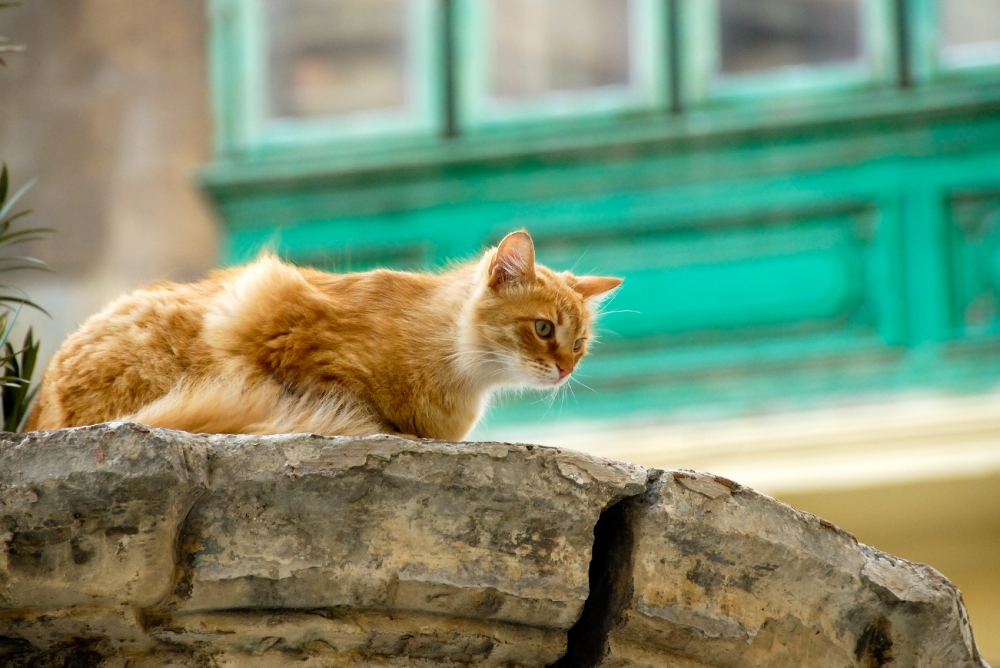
x=273 y=348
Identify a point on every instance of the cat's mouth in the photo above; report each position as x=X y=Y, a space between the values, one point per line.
x=558 y=381
x=542 y=376
x=542 y=381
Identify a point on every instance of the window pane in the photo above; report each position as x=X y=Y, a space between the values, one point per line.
x=970 y=29
x=335 y=56
x=540 y=46
x=761 y=35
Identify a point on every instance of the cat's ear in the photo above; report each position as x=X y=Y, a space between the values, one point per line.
x=594 y=287
x=514 y=260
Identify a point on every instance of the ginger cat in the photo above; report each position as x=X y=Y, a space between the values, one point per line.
x=271 y=348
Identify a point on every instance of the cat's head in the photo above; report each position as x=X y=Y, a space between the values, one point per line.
x=531 y=325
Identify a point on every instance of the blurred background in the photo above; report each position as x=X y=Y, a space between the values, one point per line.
x=803 y=197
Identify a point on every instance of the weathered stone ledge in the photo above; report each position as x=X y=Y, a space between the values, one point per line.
x=121 y=545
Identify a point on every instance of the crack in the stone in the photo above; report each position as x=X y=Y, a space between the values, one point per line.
x=610 y=576
x=183 y=570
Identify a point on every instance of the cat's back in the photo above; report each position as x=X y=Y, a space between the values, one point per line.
x=127 y=354
x=265 y=320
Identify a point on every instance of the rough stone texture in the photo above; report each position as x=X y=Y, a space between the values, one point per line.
x=376 y=546
x=150 y=548
x=720 y=575
x=91 y=517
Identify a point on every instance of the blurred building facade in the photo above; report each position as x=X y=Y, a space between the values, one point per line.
x=108 y=109
x=803 y=196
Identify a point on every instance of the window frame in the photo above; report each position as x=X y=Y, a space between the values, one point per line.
x=240 y=54
x=926 y=48
x=679 y=78
x=477 y=110
x=701 y=52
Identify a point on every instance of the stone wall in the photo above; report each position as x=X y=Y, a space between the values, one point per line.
x=124 y=546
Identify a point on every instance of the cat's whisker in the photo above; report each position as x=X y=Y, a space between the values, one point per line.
x=607 y=330
x=552 y=398
x=580 y=259
x=546 y=395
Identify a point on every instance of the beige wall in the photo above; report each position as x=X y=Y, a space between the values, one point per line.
x=108 y=108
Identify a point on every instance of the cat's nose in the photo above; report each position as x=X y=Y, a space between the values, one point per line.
x=563 y=372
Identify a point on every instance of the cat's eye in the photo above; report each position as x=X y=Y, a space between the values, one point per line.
x=544 y=328
x=577 y=344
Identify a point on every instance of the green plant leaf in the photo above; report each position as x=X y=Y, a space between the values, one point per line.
x=27 y=267
x=4 y=238
x=9 y=325
x=6 y=223
x=22 y=258
x=25 y=239
x=10 y=203
x=18 y=366
x=21 y=301
x=17 y=393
